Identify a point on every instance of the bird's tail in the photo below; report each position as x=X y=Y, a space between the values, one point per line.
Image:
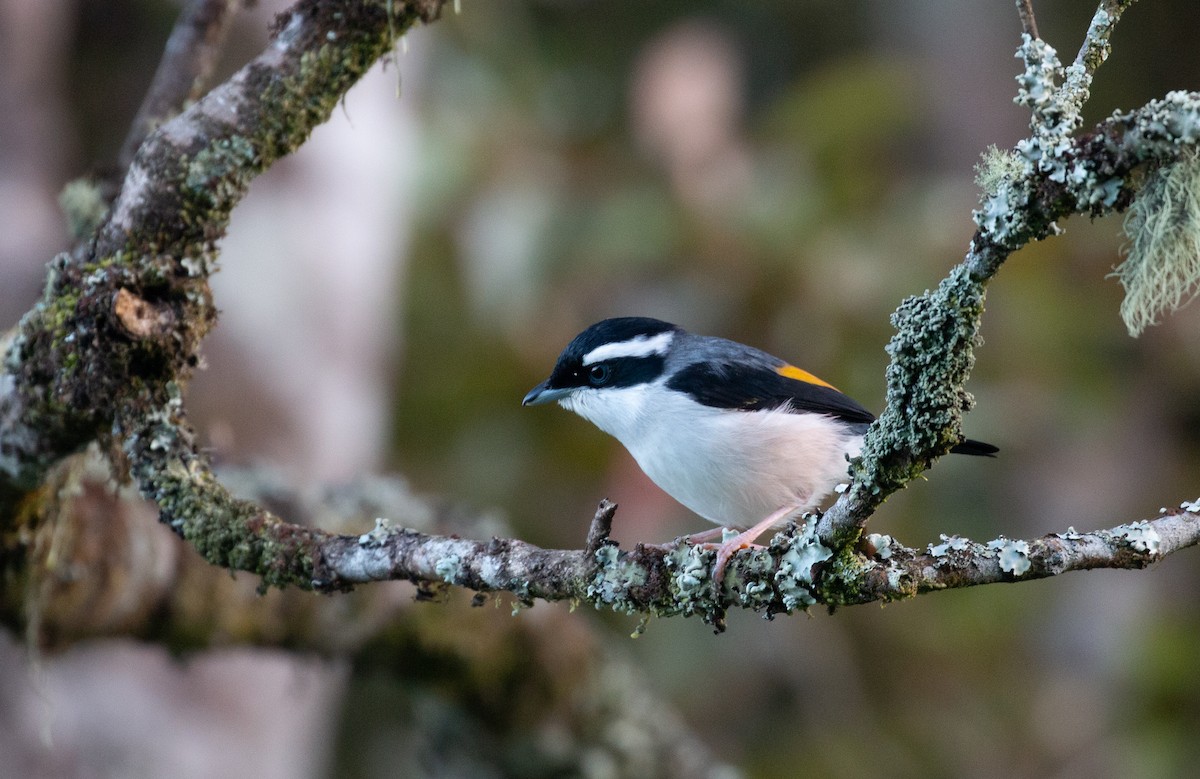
x=978 y=448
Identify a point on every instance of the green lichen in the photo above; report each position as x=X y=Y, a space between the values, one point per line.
x=1161 y=271
x=997 y=168
x=224 y=530
x=217 y=176
x=450 y=569
x=1141 y=536
x=842 y=576
x=692 y=572
x=949 y=544
x=84 y=207
x=1012 y=554
x=297 y=103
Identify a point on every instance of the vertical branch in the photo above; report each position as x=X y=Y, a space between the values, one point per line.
x=1028 y=22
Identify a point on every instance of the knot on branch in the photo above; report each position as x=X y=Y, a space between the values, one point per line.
x=601 y=527
x=140 y=319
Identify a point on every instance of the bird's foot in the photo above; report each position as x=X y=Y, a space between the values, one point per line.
x=727 y=549
x=743 y=540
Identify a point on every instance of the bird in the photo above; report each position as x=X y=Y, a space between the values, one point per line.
x=743 y=438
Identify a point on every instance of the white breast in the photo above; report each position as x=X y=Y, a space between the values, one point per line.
x=733 y=468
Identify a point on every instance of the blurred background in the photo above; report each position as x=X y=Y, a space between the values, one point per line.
x=779 y=173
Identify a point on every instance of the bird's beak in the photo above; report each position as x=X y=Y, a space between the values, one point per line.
x=544 y=393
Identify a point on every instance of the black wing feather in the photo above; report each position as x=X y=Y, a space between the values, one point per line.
x=973 y=447
x=751 y=388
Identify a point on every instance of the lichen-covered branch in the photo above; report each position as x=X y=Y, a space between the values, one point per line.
x=72 y=365
x=187 y=63
x=1050 y=175
x=102 y=357
x=241 y=535
x=100 y=566
x=796 y=571
x=1093 y=52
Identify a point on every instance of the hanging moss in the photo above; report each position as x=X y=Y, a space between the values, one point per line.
x=1161 y=270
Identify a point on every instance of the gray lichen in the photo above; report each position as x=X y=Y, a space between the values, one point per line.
x=1141 y=536
x=1161 y=270
x=615 y=575
x=1013 y=555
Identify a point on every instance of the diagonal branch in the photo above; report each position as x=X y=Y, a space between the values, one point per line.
x=1050 y=175
x=188 y=61
x=1076 y=87
x=73 y=365
x=932 y=352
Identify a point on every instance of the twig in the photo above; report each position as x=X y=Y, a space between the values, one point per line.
x=1095 y=48
x=187 y=63
x=1028 y=22
x=1093 y=52
x=601 y=526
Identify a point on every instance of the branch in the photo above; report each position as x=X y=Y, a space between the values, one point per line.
x=1093 y=52
x=99 y=566
x=1028 y=22
x=798 y=570
x=795 y=571
x=104 y=354
x=190 y=56
x=932 y=352
x=1049 y=176
x=72 y=366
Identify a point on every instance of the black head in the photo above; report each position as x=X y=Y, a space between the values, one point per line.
x=619 y=352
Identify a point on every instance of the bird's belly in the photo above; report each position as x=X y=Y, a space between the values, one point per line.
x=734 y=467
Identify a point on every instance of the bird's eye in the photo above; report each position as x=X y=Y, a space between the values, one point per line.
x=598 y=375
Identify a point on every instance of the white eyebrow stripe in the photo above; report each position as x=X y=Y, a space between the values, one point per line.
x=641 y=346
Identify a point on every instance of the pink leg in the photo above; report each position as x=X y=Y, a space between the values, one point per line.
x=706 y=536
x=743 y=540
x=703 y=537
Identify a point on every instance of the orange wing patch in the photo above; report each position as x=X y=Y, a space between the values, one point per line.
x=792 y=372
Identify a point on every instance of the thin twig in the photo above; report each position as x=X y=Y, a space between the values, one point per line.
x=187 y=63
x=1092 y=53
x=1028 y=22
x=1095 y=48
x=601 y=527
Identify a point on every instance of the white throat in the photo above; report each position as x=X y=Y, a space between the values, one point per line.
x=622 y=412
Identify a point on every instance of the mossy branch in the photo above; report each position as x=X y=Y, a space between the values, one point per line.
x=103 y=355
x=1051 y=175
x=71 y=367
